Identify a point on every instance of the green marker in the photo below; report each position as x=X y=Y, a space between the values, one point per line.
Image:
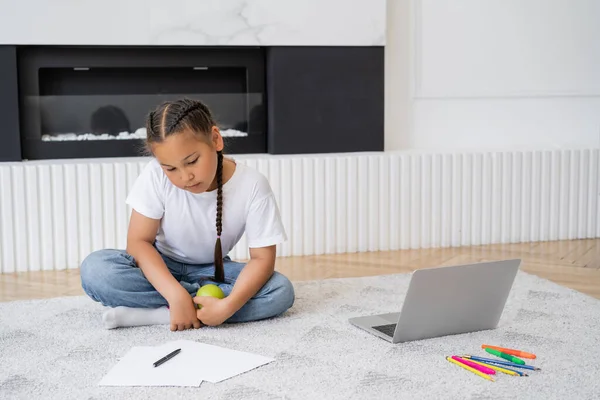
x=505 y=356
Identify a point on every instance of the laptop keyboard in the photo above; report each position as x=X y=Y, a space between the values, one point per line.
x=386 y=329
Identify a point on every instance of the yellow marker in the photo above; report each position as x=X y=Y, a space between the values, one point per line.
x=503 y=370
x=473 y=370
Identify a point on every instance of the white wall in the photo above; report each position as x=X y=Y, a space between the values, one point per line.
x=467 y=74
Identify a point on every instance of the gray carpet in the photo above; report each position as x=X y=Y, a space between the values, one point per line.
x=57 y=349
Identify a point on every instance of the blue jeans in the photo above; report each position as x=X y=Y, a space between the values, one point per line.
x=112 y=278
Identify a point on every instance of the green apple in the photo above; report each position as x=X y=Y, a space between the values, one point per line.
x=210 y=290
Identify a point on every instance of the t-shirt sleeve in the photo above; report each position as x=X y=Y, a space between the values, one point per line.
x=263 y=224
x=147 y=193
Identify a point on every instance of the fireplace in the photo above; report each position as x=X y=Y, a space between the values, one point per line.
x=66 y=102
x=92 y=102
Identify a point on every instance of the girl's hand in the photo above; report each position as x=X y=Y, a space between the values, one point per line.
x=214 y=311
x=183 y=313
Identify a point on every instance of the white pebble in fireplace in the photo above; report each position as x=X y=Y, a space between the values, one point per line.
x=138 y=134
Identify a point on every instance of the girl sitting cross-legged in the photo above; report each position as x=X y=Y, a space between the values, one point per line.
x=190 y=205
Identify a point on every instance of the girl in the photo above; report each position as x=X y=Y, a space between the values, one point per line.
x=173 y=247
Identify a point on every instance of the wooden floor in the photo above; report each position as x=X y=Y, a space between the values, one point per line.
x=575 y=264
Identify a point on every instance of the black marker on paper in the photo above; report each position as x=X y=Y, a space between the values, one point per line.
x=167 y=358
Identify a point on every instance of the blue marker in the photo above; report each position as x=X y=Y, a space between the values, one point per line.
x=498 y=362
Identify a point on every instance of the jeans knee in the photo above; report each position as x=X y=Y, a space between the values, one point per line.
x=95 y=269
x=287 y=295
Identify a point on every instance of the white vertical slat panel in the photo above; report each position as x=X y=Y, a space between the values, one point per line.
x=425 y=189
x=555 y=196
x=486 y=199
x=546 y=204
x=34 y=262
x=573 y=215
x=363 y=204
x=108 y=206
x=457 y=181
x=21 y=220
x=307 y=196
x=121 y=220
x=496 y=198
x=275 y=182
x=297 y=207
x=331 y=205
x=447 y=176
x=506 y=194
x=84 y=216
x=320 y=205
x=405 y=201
x=275 y=178
x=373 y=209
x=72 y=207
x=286 y=204
x=47 y=238
x=96 y=212
x=341 y=206
x=415 y=201
x=583 y=194
x=384 y=204
x=59 y=217
x=593 y=225
x=536 y=191
x=351 y=197
x=262 y=166
x=467 y=200
x=526 y=223
x=564 y=189
x=436 y=203
x=7 y=219
x=395 y=199
x=516 y=177
x=477 y=193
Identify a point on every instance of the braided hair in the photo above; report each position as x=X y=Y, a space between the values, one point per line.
x=171 y=118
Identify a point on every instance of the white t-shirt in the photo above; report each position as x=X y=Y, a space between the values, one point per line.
x=188 y=230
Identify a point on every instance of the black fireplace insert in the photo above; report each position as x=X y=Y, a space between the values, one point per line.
x=92 y=102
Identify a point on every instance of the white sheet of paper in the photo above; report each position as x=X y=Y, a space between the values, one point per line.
x=215 y=364
x=195 y=363
x=136 y=368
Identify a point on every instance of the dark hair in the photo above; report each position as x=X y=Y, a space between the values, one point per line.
x=171 y=118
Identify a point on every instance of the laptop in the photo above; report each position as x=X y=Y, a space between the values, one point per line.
x=447 y=301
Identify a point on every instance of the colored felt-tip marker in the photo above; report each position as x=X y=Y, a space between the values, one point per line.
x=478 y=367
x=167 y=357
x=500 y=362
x=507 y=357
x=512 y=352
x=506 y=371
x=473 y=370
